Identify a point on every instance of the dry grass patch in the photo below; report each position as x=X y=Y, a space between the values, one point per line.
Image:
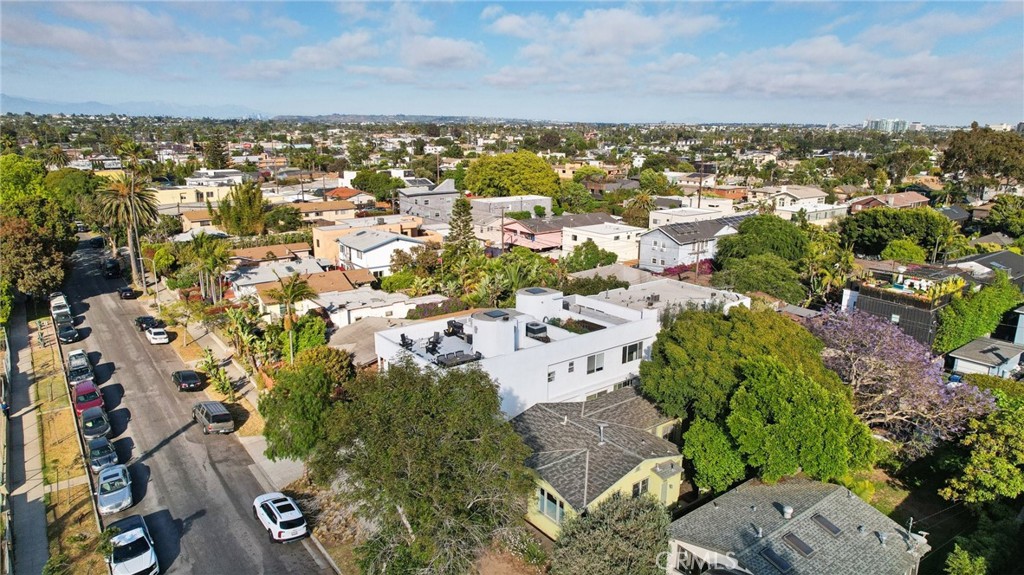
x=72 y=531
x=188 y=353
x=61 y=456
x=49 y=379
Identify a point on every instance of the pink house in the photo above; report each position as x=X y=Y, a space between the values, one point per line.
x=542 y=234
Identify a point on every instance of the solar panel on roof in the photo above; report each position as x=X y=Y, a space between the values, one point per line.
x=495 y=313
x=535 y=290
x=825 y=524
x=798 y=544
x=777 y=561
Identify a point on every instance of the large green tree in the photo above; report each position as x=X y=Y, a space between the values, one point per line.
x=127 y=204
x=994 y=466
x=981 y=157
x=20 y=177
x=975 y=314
x=296 y=409
x=587 y=256
x=905 y=251
x=517 y=174
x=380 y=184
x=29 y=259
x=764 y=234
x=242 y=211
x=694 y=366
x=461 y=243
x=783 y=421
x=618 y=536
x=716 y=462
x=429 y=457
x=215 y=153
x=871 y=230
x=1006 y=215
x=766 y=273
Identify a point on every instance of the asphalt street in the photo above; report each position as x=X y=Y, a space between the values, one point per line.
x=195 y=491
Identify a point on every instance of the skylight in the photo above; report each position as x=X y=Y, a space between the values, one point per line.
x=825 y=524
x=777 y=561
x=495 y=313
x=798 y=544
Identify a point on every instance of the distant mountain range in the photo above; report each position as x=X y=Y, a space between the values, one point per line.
x=395 y=118
x=18 y=105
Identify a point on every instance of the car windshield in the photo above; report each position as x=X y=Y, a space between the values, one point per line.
x=113 y=485
x=188 y=377
x=66 y=329
x=131 y=550
x=93 y=423
x=103 y=451
x=293 y=523
x=87 y=397
x=79 y=372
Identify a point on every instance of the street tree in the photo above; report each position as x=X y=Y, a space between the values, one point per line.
x=22 y=177
x=30 y=261
x=618 y=536
x=296 y=409
x=427 y=455
x=127 y=204
x=516 y=174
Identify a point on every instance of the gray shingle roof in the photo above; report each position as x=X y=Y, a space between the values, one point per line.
x=568 y=454
x=689 y=232
x=556 y=223
x=987 y=351
x=729 y=525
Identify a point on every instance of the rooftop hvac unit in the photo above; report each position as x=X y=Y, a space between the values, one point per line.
x=536 y=329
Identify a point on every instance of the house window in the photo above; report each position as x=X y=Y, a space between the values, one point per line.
x=572 y=366
x=595 y=362
x=655 y=241
x=596 y=395
x=209 y=194
x=616 y=238
x=317 y=214
x=317 y=243
x=551 y=376
x=389 y=313
x=426 y=202
x=640 y=487
x=654 y=260
x=631 y=352
x=655 y=221
x=549 y=506
x=662 y=262
x=574 y=237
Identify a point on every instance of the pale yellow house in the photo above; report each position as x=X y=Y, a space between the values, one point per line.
x=332 y=211
x=171 y=195
x=583 y=452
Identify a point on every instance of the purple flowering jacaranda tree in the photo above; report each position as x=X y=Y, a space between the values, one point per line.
x=897 y=384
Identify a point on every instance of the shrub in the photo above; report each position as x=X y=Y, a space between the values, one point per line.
x=425 y=310
x=523 y=215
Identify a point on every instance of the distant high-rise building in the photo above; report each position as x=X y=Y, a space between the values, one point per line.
x=886 y=125
x=1020 y=128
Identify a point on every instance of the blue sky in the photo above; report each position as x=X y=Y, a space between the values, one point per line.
x=934 y=62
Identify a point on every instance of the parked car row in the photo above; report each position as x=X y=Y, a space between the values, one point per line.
x=132 y=547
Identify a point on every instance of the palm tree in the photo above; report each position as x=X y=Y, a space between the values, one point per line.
x=292 y=290
x=55 y=156
x=126 y=207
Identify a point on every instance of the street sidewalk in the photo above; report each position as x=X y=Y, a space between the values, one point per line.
x=25 y=474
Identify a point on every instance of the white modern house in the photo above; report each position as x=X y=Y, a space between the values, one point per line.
x=348 y=307
x=788 y=195
x=682 y=215
x=818 y=214
x=622 y=240
x=229 y=177
x=551 y=347
x=371 y=250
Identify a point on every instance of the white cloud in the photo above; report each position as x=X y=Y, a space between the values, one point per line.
x=437 y=52
x=285 y=25
x=929 y=29
x=353 y=10
x=333 y=54
x=491 y=11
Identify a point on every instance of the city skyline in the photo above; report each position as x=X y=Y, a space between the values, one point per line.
x=805 y=62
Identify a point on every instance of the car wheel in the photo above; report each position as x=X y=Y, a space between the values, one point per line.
x=206 y=430
x=254 y=516
x=194 y=416
x=270 y=535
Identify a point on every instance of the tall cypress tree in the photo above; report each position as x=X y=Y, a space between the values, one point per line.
x=461 y=242
x=216 y=153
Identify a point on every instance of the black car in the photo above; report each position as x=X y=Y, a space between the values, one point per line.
x=144 y=322
x=186 y=380
x=111 y=268
x=101 y=454
x=67 y=334
x=126 y=293
x=97 y=242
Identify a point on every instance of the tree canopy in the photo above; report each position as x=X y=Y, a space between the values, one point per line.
x=587 y=256
x=764 y=234
x=694 y=366
x=766 y=273
x=896 y=382
x=975 y=314
x=783 y=422
x=1006 y=215
x=994 y=467
x=380 y=184
x=242 y=212
x=517 y=174
x=904 y=250
x=870 y=231
x=618 y=536
x=428 y=456
x=296 y=409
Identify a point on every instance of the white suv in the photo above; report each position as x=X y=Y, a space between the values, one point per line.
x=133 y=552
x=280 y=516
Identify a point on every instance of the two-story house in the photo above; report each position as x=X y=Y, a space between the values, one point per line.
x=583 y=452
x=620 y=239
x=542 y=234
x=371 y=250
x=788 y=195
x=684 y=243
x=431 y=203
